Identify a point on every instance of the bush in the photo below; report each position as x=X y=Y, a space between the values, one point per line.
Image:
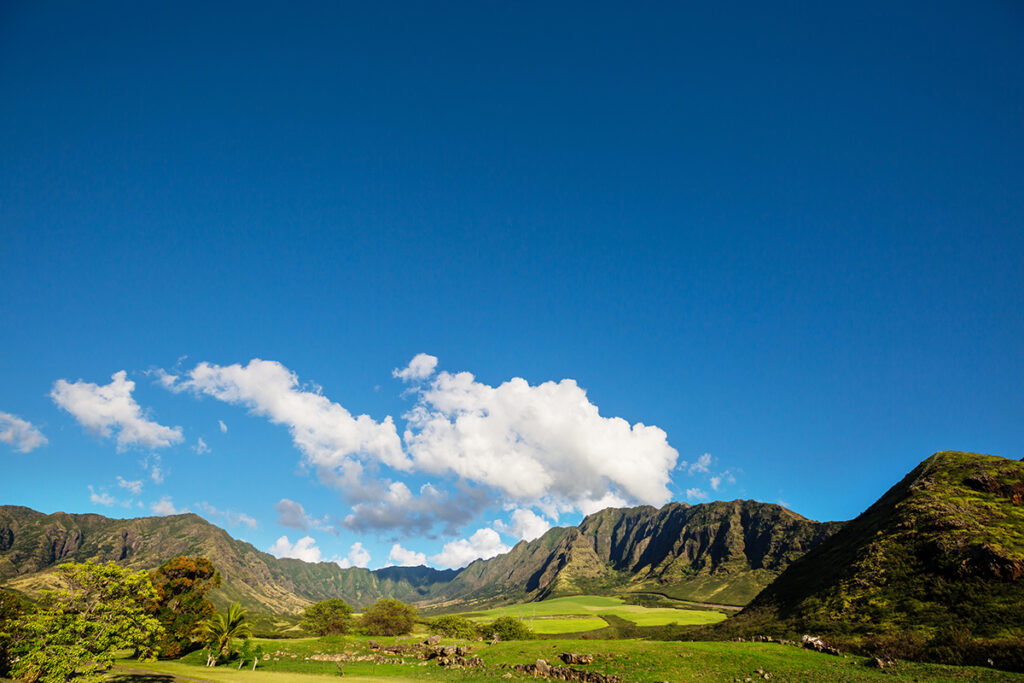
x=453 y=627
x=328 y=617
x=508 y=628
x=388 y=617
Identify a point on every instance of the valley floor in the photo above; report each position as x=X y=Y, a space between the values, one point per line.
x=636 y=661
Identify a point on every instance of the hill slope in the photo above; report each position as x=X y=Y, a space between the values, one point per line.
x=943 y=547
x=723 y=552
x=31 y=542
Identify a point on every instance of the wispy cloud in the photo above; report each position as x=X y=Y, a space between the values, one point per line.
x=230 y=517
x=293 y=515
x=102 y=498
x=22 y=435
x=165 y=506
x=134 y=487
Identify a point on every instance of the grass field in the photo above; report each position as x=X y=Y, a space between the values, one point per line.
x=583 y=613
x=637 y=661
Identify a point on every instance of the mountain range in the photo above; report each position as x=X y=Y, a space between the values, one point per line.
x=723 y=552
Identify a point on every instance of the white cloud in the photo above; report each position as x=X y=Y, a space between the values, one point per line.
x=358 y=556
x=304 y=549
x=165 y=506
x=696 y=494
x=715 y=481
x=609 y=500
x=406 y=558
x=326 y=433
x=135 y=487
x=101 y=498
x=201 y=446
x=232 y=518
x=526 y=525
x=535 y=441
x=101 y=409
x=420 y=367
x=702 y=464
x=483 y=544
x=21 y=434
x=223 y=427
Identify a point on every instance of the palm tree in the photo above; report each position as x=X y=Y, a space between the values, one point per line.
x=219 y=630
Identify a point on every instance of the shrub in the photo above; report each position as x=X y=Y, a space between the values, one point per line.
x=388 y=617
x=453 y=627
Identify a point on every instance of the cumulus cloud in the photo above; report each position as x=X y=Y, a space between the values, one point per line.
x=223 y=427
x=526 y=525
x=22 y=435
x=326 y=433
x=358 y=556
x=404 y=557
x=102 y=409
x=134 y=487
x=101 y=498
x=165 y=506
x=293 y=515
x=420 y=367
x=483 y=544
x=696 y=494
x=304 y=549
x=201 y=446
x=395 y=507
x=230 y=517
x=529 y=442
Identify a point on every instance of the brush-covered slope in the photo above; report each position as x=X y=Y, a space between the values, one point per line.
x=32 y=542
x=943 y=547
x=713 y=552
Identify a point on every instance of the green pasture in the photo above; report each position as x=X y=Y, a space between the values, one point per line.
x=580 y=613
x=637 y=661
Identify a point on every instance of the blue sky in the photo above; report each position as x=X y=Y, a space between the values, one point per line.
x=685 y=252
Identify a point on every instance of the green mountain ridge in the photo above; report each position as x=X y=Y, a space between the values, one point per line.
x=942 y=548
x=722 y=552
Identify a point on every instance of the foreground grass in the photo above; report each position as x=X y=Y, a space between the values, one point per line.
x=637 y=661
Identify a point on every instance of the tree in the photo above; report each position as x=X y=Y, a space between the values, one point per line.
x=328 y=617
x=12 y=609
x=181 y=586
x=453 y=626
x=509 y=628
x=219 y=632
x=99 y=609
x=388 y=617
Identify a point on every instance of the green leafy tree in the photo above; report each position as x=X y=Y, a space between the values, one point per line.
x=12 y=609
x=99 y=609
x=219 y=632
x=181 y=586
x=509 y=628
x=328 y=617
x=453 y=626
x=388 y=617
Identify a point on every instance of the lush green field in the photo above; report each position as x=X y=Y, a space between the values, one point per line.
x=583 y=613
x=636 y=661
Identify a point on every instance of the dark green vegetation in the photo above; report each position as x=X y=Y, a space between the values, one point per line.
x=328 y=617
x=181 y=585
x=934 y=570
x=388 y=617
x=718 y=552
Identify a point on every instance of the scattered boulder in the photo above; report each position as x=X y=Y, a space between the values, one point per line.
x=575 y=658
x=432 y=640
x=818 y=645
x=880 y=663
x=565 y=673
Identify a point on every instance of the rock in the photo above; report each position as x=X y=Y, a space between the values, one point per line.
x=373 y=645
x=432 y=640
x=542 y=668
x=818 y=645
x=575 y=658
x=879 y=663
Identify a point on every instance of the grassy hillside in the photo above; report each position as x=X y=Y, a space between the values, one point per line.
x=940 y=555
